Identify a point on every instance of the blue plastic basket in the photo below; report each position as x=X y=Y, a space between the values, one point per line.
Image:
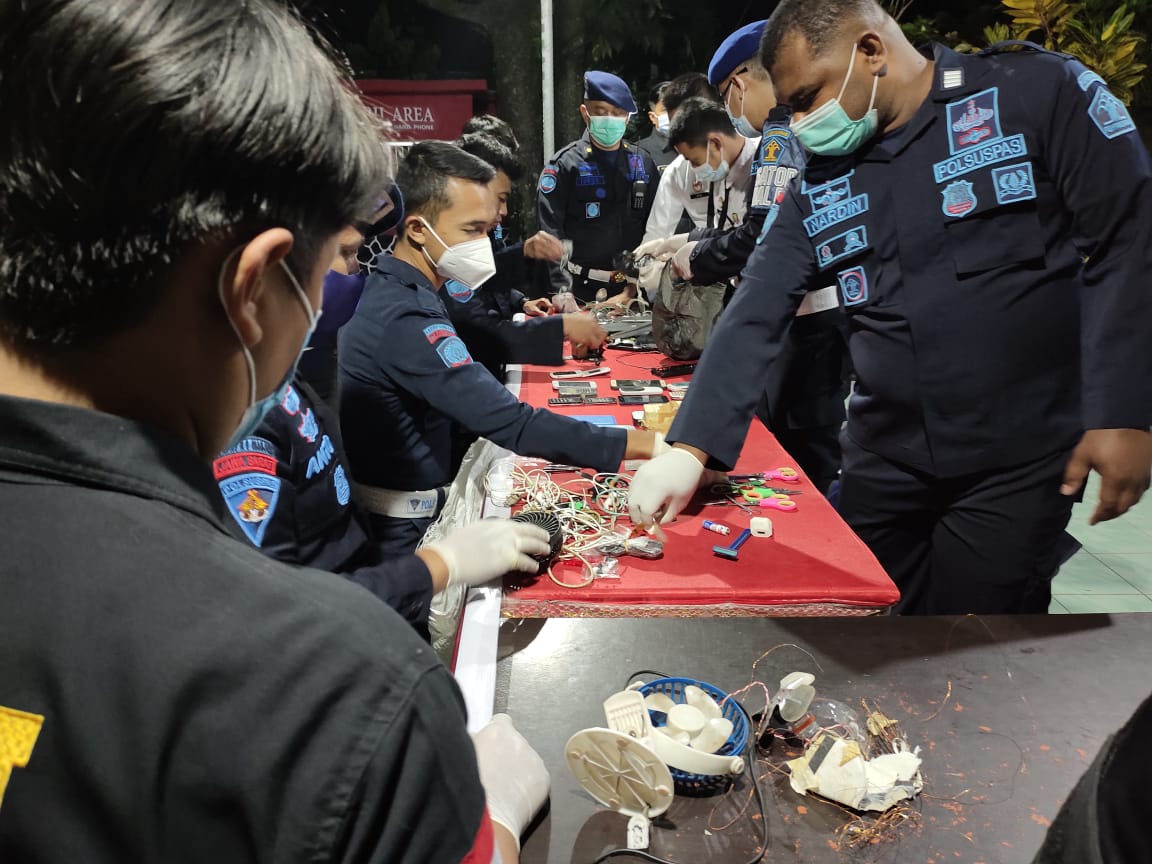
x=701 y=784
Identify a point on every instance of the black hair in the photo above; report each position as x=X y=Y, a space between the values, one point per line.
x=656 y=96
x=687 y=86
x=136 y=129
x=423 y=176
x=818 y=21
x=696 y=119
x=493 y=152
x=494 y=127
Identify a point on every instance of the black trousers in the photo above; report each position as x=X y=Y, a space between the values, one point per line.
x=984 y=543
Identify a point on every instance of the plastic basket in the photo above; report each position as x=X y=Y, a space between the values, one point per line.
x=673 y=688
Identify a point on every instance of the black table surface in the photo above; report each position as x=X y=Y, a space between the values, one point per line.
x=1007 y=711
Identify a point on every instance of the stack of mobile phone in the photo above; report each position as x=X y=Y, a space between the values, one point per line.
x=648 y=391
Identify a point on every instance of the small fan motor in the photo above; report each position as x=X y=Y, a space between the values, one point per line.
x=550 y=524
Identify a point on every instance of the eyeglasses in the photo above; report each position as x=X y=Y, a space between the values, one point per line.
x=731 y=81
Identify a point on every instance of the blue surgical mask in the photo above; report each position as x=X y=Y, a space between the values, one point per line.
x=829 y=131
x=341 y=297
x=663 y=124
x=607 y=131
x=706 y=173
x=739 y=122
x=257 y=408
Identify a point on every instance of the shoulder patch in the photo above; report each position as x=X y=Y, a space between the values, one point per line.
x=1110 y=115
x=1087 y=78
x=246 y=475
x=291 y=400
x=547 y=179
x=458 y=291
x=453 y=352
x=252 y=499
x=441 y=330
x=18 y=733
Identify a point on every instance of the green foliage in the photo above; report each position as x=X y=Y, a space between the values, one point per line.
x=1100 y=36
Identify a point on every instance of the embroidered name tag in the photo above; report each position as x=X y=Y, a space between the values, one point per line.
x=834 y=215
x=1012 y=147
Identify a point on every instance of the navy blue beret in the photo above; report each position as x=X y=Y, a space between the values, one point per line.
x=738 y=47
x=606 y=87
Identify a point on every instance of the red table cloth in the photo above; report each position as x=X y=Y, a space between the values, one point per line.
x=812 y=565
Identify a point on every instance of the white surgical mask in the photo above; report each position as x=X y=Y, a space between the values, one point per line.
x=663 y=124
x=470 y=263
x=706 y=173
x=257 y=408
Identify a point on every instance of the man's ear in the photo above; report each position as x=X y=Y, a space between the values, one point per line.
x=415 y=231
x=584 y=114
x=246 y=278
x=876 y=51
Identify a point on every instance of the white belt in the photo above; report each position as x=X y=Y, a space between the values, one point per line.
x=398 y=503
x=818 y=301
x=589 y=272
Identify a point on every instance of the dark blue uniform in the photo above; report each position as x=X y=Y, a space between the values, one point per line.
x=288 y=491
x=406 y=376
x=993 y=256
x=804 y=392
x=600 y=200
x=658 y=149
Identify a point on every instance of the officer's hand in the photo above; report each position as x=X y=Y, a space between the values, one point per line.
x=1122 y=458
x=544 y=246
x=512 y=773
x=488 y=549
x=582 y=329
x=537 y=307
x=661 y=488
x=514 y=777
x=663 y=246
x=682 y=261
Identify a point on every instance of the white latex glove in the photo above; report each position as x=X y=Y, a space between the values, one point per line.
x=488 y=549
x=662 y=487
x=661 y=446
x=682 y=260
x=513 y=774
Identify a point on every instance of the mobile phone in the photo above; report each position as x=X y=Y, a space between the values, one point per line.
x=678 y=385
x=674 y=369
x=640 y=391
x=677 y=395
x=562 y=374
x=566 y=400
x=599 y=400
x=575 y=387
x=643 y=399
x=635 y=383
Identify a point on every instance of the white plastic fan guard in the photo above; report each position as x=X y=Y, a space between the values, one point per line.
x=620 y=772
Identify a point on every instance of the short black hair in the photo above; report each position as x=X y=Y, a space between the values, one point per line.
x=656 y=96
x=687 y=86
x=490 y=125
x=696 y=119
x=818 y=21
x=137 y=129
x=423 y=176
x=493 y=152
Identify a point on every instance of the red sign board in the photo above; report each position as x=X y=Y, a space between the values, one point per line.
x=424 y=110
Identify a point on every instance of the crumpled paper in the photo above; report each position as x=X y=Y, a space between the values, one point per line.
x=835 y=768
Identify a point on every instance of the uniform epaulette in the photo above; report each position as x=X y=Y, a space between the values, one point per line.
x=556 y=156
x=1012 y=46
